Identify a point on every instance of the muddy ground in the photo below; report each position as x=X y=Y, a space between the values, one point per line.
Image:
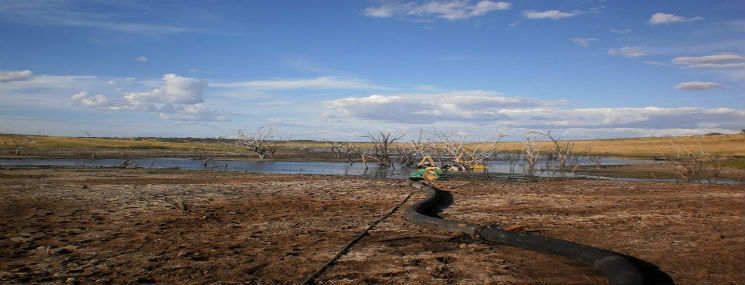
x=130 y=226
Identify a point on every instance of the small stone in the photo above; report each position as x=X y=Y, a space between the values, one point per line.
x=516 y=228
x=66 y=249
x=716 y=237
x=70 y=280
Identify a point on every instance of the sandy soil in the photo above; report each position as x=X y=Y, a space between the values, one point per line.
x=138 y=226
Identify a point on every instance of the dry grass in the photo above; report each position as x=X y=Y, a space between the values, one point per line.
x=717 y=145
x=52 y=142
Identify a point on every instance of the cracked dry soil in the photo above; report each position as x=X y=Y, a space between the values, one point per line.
x=137 y=226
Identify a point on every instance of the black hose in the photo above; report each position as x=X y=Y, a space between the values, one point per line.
x=618 y=269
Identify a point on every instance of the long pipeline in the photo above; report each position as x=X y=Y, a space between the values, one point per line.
x=617 y=268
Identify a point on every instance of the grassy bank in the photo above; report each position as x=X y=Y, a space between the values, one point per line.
x=717 y=145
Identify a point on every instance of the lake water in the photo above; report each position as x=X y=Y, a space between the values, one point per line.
x=497 y=168
x=268 y=166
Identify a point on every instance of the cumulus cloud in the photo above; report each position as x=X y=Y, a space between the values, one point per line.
x=697 y=85
x=85 y=99
x=448 y=10
x=194 y=112
x=423 y=108
x=549 y=14
x=141 y=59
x=663 y=18
x=488 y=108
x=629 y=52
x=719 y=60
x=584 y=42
x=175 y=90
x=177 y=98
x=20 y=75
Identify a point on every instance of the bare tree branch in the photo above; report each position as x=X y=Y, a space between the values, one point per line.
x=382 y=144
x=260 y=142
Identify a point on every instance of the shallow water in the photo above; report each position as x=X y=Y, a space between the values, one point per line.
x=267 y=166
x=497 y=168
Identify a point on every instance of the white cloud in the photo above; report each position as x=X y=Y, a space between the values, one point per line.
x=484 y=7
x=195 y=112
x=180 y=90
x=89 y=100
x=45 y=91
x=584 y=42
x=66 y=13
x=663 y=18
x=485 y=107
x=325 y=82
x=424 y=108
x=20 y=75
x=653 y=62
x=549 y=14
x=719 y=60
x=177 y=98
x=386 y=11
x=630 y=52
x=697 y=85
x=448 y=10
x=141 y=59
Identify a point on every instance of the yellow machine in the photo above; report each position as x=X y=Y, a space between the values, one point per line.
x=427 y=161
x=427 y=170
x=470 y=161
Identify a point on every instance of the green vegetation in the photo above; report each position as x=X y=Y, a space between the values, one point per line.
x=738 y=162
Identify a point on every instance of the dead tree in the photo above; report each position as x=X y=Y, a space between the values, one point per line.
x=383 y=146
x=512 y=158
x=692 y=163
x=410 y=153
x=260 y=142
x=596 y=158
x=335 y=147
x=19 y=144
x=343 y=149
x=483 y=149
x=562 y=152
x=347 y=150
x=205 y=157
x=453 y=146
x=531 y=150
x=448 y=146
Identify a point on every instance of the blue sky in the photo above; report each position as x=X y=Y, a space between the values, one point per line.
x=340 y=69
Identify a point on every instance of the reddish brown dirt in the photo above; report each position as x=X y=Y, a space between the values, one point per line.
x=113 y=226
